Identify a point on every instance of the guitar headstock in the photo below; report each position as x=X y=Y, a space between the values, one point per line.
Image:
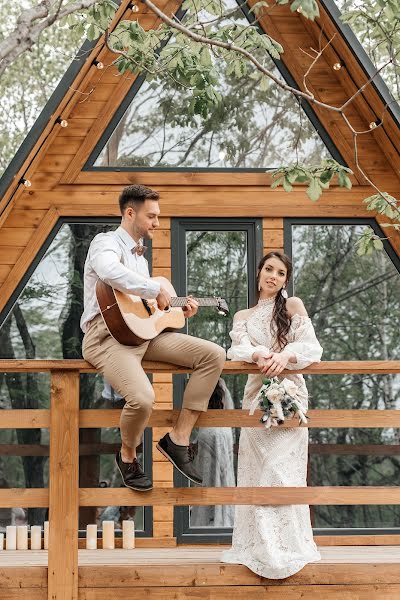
x=222 y=307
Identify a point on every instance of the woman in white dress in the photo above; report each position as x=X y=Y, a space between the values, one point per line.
x=277 y=334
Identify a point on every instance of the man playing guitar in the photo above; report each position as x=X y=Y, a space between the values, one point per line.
x=117 y=259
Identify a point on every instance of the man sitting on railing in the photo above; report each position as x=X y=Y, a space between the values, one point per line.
x=117 y=259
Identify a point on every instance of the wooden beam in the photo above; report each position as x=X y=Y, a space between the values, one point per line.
x=203 y=573
x=167 y=496
x=91 y=449
x=28 y=498
x=368 y=367
x=197 y=496
x=38 y=419
x=29 y=418
x=332 y=418
x=251 y=592
x=357 y=540
x=64 y=486
x=356 y=449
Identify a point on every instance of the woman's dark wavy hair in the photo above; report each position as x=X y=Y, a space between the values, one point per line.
x=280 y=323
x=217 y=397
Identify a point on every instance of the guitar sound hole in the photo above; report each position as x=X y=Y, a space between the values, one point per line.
x=167 y=309
x=147 y=307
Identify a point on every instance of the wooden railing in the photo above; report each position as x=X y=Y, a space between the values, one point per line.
x=64 y=418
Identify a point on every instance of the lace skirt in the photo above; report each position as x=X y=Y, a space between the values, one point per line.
x=273 y=541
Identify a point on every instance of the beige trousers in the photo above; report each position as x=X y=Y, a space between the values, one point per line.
x=122 y=368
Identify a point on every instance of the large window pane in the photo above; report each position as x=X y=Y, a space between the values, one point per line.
x=216 y=265
x=354 y=303
x=45 y=324
x=255 y=126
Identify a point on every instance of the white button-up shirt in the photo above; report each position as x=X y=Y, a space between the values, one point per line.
x=110 y=259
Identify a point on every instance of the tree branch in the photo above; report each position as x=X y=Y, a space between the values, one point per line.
x=28 y=30
x=231 y=47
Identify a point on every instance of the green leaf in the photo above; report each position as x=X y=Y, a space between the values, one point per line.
x=258 y=6
x=378 y=244
x=326 y=176
x=91 y=33
x=286 y=184
x=277 y=182
x=264 y=84
x=314 y=190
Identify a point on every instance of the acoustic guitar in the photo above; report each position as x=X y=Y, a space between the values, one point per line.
x=131 y=320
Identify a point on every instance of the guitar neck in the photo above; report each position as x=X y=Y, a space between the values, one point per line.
x=179 y=301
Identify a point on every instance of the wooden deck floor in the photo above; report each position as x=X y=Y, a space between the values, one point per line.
x=344 y=573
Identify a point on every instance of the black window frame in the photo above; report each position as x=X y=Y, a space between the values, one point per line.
x=254 y=229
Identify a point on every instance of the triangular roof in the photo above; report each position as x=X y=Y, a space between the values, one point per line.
x=290 y=29
x=84 y=56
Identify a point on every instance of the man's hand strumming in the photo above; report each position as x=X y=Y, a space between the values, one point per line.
x=163 y=299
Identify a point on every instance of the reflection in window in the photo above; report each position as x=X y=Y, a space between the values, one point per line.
x=23 y=464
x=256 y=126
x=217 y=266
x=44 y=324
x=354 y=303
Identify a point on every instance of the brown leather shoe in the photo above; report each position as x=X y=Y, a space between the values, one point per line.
x=182 y=457
x=133 y=475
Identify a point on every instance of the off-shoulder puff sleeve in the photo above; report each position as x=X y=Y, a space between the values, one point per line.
x=305 y=345
x=242 y=348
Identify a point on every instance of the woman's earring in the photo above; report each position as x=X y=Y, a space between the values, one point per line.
x=284 y=293
x=259 y=286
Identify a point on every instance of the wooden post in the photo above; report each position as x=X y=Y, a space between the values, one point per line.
x=64 y=486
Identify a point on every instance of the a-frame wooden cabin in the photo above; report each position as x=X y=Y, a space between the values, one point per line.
x=66 y=187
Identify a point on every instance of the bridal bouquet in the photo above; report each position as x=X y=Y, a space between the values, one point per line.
x=277 y=399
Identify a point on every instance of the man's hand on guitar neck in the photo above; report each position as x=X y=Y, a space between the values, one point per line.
x=191 y=307
x=163 y=299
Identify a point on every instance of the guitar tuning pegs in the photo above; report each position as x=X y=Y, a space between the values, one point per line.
x=222 y=307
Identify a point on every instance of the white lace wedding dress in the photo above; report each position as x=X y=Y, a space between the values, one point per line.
x=273 y=541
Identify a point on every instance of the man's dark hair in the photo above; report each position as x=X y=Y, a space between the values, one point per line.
x=134 y=195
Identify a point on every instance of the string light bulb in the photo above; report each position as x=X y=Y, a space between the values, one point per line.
x=299 y=9
x=26 y=182
x=62 y=122
x=134 y=8
x=337 y=66
x=98 y=64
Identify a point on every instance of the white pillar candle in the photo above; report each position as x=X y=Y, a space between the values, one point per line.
x=128 y=535
x=91 y=537
x=36 y=537
x=22 y=537
x=108 y=535
x=1 y=541
x=46 y=535
x=11 y=537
